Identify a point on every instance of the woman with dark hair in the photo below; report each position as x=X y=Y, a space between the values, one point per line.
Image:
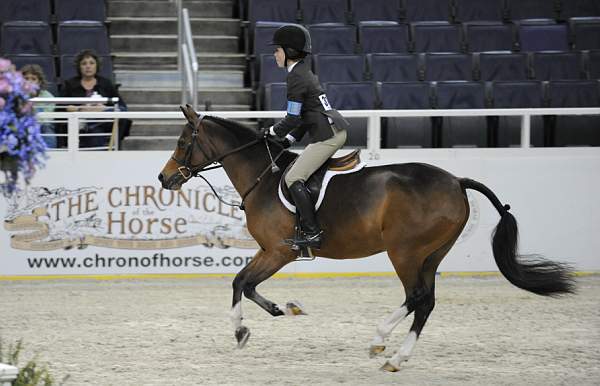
x=88 y=83
x=34 y=74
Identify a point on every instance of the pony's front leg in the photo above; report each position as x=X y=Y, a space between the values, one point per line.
x=263 y=265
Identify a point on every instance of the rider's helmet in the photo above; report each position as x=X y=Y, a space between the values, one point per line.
x=294 y=39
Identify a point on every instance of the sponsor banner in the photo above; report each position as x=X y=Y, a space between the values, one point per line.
x=106 y=213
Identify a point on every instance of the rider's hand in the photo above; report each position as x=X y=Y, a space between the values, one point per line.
x=267 y=132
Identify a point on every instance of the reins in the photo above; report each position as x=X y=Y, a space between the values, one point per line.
x=195 y=170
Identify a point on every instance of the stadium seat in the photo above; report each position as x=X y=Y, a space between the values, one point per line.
x=436 y=36
x=469 y=10
x=462 y=131
x=542 y=35
x=339 y=68
x=578 y=130
x=26 y=37
x=488 y=36
x=333 y=38
x=74 y=36
x=324 y=11
x=275 y=97
x=557 y=65
x=393 y=67
x=268 y=71
x=510 y=95
x=80 y=10
x=586 y=32
x=406 y=131
x=68 y=70
x=263 y=35
x=46 y=62
x=448 y=66
x=382 y=37
x=579 y=8
x=269 y=10
x=25 y=10
x=427 y=10
x=532 y=9
x=501 y=66
x=353 y=96
x=375 y=10
x=593 y=65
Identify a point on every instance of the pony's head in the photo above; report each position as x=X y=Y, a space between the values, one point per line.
x=189 y=154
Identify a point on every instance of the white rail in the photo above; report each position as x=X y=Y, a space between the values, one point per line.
x=373 y=117
x=7 y=374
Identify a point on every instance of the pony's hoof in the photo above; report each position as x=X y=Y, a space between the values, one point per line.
x=294 y=308
x=387 y=366
x=375 y=350
x=241 y=335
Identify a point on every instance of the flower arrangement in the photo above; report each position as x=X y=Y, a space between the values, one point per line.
x=22 y=149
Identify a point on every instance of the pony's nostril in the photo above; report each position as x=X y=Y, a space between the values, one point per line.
x=160 y=177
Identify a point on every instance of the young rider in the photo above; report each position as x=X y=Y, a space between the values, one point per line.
x=307 y=111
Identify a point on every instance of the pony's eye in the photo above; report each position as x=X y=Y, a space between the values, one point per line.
x=181 y=144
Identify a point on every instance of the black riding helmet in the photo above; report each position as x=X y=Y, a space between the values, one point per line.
x=294 y=39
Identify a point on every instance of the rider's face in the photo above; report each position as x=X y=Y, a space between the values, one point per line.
x=279 y=57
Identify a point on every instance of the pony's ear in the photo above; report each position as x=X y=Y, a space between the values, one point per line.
x=189 y=113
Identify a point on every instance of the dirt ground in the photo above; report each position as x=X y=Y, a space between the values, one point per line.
x=483 y=331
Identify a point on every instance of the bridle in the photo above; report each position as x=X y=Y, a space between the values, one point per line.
x=188 y=170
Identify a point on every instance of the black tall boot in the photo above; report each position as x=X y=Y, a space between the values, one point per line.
x=308 y=220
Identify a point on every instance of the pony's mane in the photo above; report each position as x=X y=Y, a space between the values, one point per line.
x=238 y=128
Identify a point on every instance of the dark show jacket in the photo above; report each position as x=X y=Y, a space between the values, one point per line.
x=308 y=108
x=73 y=88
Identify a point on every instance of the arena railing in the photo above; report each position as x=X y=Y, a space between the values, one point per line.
x=373 y=119
x=7 y=374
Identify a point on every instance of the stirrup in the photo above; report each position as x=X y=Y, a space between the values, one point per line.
x=308 y=241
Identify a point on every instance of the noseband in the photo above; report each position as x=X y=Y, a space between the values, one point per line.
x=188 y=170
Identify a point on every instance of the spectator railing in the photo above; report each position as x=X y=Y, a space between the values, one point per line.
x=8 y=374
x=187 y=60
x=373 y=118
x=74 y=123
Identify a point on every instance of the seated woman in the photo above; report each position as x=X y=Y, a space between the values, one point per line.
x=33 y=73
x=86 y=84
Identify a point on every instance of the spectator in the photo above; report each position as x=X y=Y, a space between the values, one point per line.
x=33 y=73
x=86 y=84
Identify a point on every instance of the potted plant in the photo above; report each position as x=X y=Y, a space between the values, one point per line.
x=22 y=149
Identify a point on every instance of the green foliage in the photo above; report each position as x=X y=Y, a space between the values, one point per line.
x=32 y=374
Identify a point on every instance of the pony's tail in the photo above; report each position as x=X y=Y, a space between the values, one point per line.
x=531 y=272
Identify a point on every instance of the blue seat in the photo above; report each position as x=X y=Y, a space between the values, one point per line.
x=586 y=31
x=324 y=11
x=448 y=66
x=269 y=72
x=382 y=37
x=593 y=65
x=462 y=131
x=432 y=36
x=557 y=65
x=25 y=10
x=80 y=10
x=406 y=131
x=469 y=10
x=579 y=8
x=579 y=130
x=46 y=62
x=68 y=69
x=375 y=10
x=353 y=96
x=275 y=97
x=532 y=9
x=339 y=68
x=427 y=10
x=269 y=10
x=394 y=67
x=333 y=38
x=502 y=66
x=263 y=35
x=519 y=94
x=74 y=36
x=542 y=35
x=489 y=36
x=26 y=37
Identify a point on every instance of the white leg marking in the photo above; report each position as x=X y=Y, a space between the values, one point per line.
x=236 y=315
x=385 y=328
x=404 y=352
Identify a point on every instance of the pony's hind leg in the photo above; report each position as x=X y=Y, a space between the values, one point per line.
x=262 y=266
